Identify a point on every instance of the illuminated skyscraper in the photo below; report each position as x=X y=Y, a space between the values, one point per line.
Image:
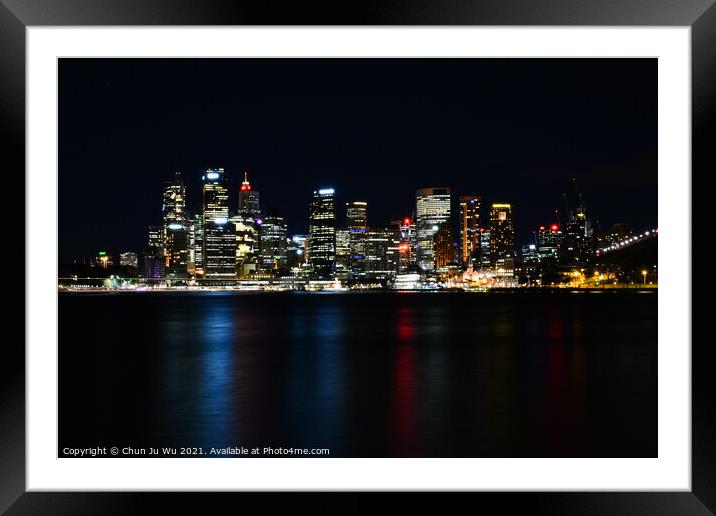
x=273 y=241
x=578 y=241
x=485 y=259
x=151 y=262
x=155 y=240
x=343 y=254
x=432 y=211
x=357 y=224
x=443 y=246
x=219 y=236
x=549 y=241
x=248 y=199
x=380 y=260
x=322 y=233
x=248 y=240
x=406 y=246
x=198 y=233
x=175 y=229
x=469 y=228
x=296 y=251
x=502 y=234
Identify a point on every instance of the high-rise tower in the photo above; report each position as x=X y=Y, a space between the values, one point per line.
x=469 y=228
x=502 y=234
x=432 y=209
x=175 y=228
x=219 y=254
x=322 y=233
x=357 y=225
x=248 y=199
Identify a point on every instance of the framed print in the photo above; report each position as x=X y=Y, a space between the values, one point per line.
x=422 y=249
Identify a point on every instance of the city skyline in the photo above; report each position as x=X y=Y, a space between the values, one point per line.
x=215 y=247
x=515 y=131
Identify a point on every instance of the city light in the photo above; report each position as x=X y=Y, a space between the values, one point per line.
x=192 y=249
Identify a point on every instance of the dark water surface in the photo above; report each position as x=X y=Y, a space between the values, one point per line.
x=527 y=374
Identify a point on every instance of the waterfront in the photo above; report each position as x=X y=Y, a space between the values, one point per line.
x=375 y=374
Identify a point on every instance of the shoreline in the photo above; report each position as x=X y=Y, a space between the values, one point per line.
x=200 y=290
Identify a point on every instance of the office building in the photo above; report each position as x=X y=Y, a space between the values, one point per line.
x=502 y=233
x=248 y=199
x=155 y=240
x=322 y=233
x=357 y=226
x=219 y=254
x=485 y=259
x=128 y=259
x=343 y=254
x=443 y=246
x=432 y=211
x=247 y=231
x=380 y=263
x=469 y=228
x=274 y=233
x=549 y=241
x=175 y=234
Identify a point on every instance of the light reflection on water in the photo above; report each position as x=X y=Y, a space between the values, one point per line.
x=370 y=375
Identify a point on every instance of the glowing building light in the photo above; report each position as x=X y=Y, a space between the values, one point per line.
x=175 y=226
x=326 y=191
x=212 y=175
x=220 y=221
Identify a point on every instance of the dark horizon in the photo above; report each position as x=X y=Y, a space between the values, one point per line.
x=509 y=130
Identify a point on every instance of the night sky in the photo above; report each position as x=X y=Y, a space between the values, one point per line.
x=510 y=130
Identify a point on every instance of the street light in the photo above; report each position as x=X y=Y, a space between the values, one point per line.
x=643 y=273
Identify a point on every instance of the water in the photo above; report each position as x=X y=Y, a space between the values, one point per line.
x=527 y=374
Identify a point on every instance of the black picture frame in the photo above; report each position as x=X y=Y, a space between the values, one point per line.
x=700 y=15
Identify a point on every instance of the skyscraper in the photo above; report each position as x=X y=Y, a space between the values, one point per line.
x=485 y=259
x=248 y=240
x=155 y=240
x=443 y=245
x=198 y=227
x=549 y=241
x=469 y=228
x=273 y=241
x=151 y=262
x=219 y=254
x=357 y=225
x=380 y=259
x=248 y=199
x=343 y=254
x=432 y=211
x=502 y=234
x=406 y=247
x=175 y=228
x=322 y=233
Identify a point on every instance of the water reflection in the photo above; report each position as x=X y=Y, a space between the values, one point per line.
x=402 y=408
x=364 y=375
x=215 y=406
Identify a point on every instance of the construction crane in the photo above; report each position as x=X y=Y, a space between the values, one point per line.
x=566 y=206
x=579 y=194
